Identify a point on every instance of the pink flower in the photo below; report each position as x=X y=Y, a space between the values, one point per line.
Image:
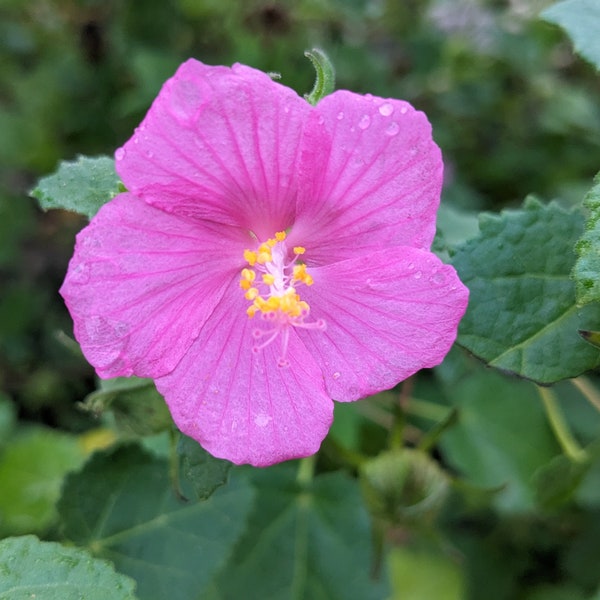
x=269 y=256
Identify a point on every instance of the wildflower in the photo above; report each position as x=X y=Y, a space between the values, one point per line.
x=268 y=257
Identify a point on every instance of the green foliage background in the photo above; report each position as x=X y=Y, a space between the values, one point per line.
x=501 y=499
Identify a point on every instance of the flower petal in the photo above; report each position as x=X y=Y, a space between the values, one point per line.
x=240 y=405
x=388 y=314
x=221 y=144
x=371 y=172
x=142 y=283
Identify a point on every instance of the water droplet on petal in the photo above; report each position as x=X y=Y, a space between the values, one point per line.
x=340 y=116
x=149 y=154
x=386 y=109
x=411 y=266
x=418 y=275
x=437 y=278
x=261 y=420
x=364 y=122
x=404 y=110
x=120 y=153
x=392 y=129
x=80 y=274
x=337 y=375
x=320 y=120
x=184 y=99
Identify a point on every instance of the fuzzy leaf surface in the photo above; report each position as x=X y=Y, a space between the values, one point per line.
x=586 y=272
x=523 y=316
x=30 y=568
x=122 y=506
x=310 y=543
x=81 y=186
x=581 y=20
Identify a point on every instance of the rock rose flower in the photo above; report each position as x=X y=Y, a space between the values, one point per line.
x=269 y=256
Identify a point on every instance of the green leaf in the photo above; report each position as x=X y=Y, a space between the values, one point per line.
x=135 y=403
x=82 y=186
x=203 y=472
x=581 y=20
x=325 y=79
x=501 y=438
x=32 y=468
x=586 y=271
x=522 y=315
x=557 y=482
x=425 y=575
x=122 y=506
x=30 y=569
x=310 y=543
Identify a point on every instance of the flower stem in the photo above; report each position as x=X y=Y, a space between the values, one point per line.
x=559 y=426
x=174 y=465
x=589 y=392
x=306 y=470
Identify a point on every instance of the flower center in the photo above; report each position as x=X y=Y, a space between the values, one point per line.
x=270 y=285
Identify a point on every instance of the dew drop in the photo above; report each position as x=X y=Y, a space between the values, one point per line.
x=80 y=274
x=184 y=99
x=386 y=109
x=418 y=275
x=120 y=153
x=392 y=129
x=404 y=110
x=411 y=266
x=437 y=278
x=150 y=154
x=364 y=122
x=320 y=120
x=340 y=116
x=337 y=375
x=261 y=420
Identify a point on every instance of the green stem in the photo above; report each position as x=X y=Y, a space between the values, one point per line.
x=174 y=464
x=428 y=410
x=306 y=470
x=589 y=392
x=559 y=426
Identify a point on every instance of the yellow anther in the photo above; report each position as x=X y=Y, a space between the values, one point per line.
x=248 y=274
x=300 y=274
x=250 y=257
x=263 y=258
x=275 y=267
